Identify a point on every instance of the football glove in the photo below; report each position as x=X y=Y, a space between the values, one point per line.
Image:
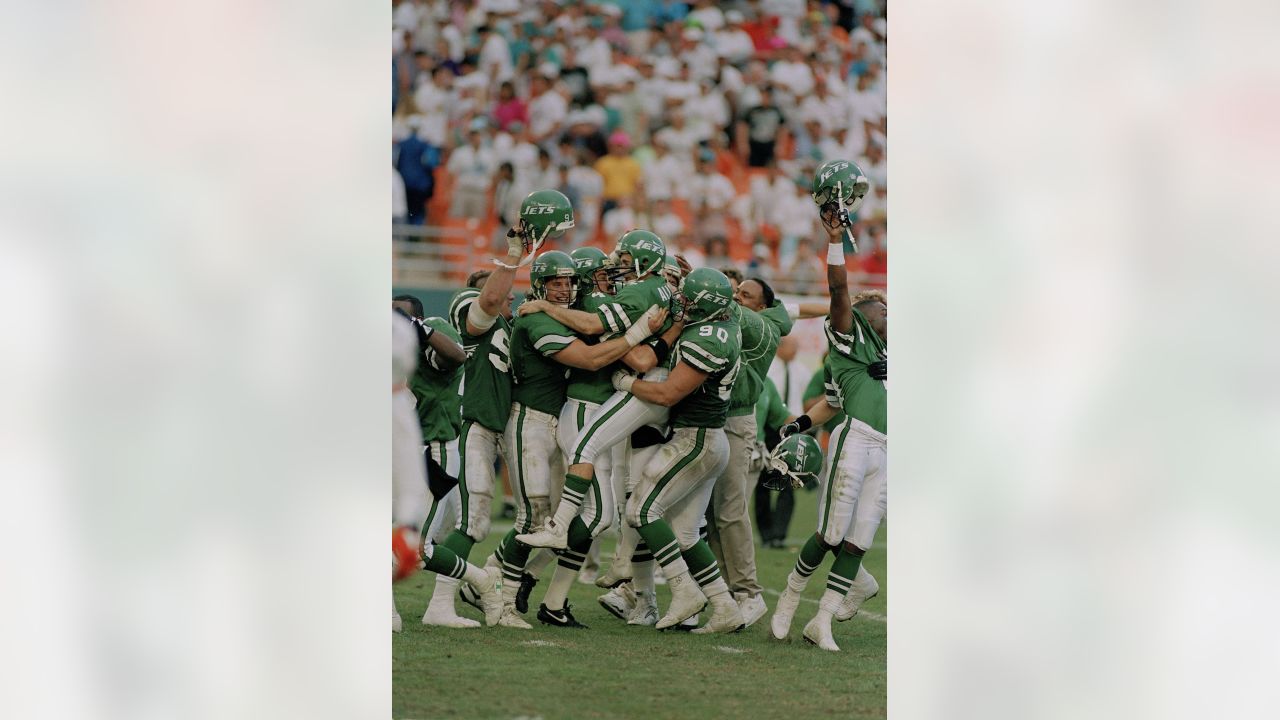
x=879 y=370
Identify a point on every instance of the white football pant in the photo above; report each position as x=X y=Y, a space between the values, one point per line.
x=676 y=480
x=853 y=496
x=479 y=447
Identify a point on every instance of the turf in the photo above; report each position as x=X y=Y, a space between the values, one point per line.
x=614 y=671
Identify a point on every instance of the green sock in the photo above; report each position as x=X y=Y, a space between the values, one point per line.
x=659 y=537
x=702 y=563
x=843 y=570
x=459 y=543
x=579 y=536
x=810 y=556
x=513 y=559
x=501 y=551
x=445 y=562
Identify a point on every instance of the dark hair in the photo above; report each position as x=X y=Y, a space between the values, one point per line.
x=766 y=292
x=476 y=278
x=414 y=302
x=542 y=153
x=732 y=273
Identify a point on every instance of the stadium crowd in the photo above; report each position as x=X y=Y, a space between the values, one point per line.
x=702 y=121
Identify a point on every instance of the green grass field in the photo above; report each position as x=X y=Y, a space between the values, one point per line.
x=614 y=671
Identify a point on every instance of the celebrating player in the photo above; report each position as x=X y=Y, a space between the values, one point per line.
x=853 y=495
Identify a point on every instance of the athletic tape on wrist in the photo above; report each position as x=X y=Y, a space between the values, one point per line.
x=835 y=253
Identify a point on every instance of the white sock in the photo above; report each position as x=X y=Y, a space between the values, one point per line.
x=561 y=581
x=828 y=606
x=715 y=587
x=443 y=594
x=642 y=573
x=539 y=561
x=675 y=569
x=797 y=582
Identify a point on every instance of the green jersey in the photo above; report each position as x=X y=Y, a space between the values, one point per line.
x=486 y=379
x=593 y=386
x=761 y=332
x=539 y=381
x=436 y=392
x=816 y=389
x=620 y=311
x=861 y=396
x=771 y=412
x=712 y=347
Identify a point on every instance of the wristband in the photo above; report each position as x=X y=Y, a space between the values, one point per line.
x=804 y=422
x=835 y=253
x=478 y=317
x=638 y=332
x=625 y=382
x=661 y=349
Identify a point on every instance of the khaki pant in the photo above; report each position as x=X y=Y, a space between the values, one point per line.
x=729 y=529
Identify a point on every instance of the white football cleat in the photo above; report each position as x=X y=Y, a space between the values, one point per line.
x=619 y=601
x=818 y=632
x=645 y=612
x=686 y=600
x=510 y=618
x=619 y=572
x=864 y=588
x=491 y=596
x=550 y=536
x=726 y=617
x=783 y=612
x=395 y=622
x=752 y=608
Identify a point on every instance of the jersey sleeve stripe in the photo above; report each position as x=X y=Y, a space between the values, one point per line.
x=697 y=364
x=611 y=315
x=706 y=357
x=561 y=340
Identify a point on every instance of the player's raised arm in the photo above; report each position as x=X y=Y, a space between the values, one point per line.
x=579 y=321
x=594 y=357
x=838 y=189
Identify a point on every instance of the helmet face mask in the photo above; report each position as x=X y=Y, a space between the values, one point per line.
x=794 y=463
x=548 y=267
x=640 y=252
x=591 y=265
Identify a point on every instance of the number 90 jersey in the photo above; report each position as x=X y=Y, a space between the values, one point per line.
x=713 y=348
x=486 y=378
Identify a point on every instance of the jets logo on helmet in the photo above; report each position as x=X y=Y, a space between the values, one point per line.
x=707 y=294
x=795 y=462
x=544 y=214
x=840 y=182
x=646 y=255
x=588 y=261
x=550 y=265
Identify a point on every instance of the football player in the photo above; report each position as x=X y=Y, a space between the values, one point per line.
x=411 y=501
x=542 y=351
x=637 y=264
x=852 y=496
x=483 y=319
x=676 y=481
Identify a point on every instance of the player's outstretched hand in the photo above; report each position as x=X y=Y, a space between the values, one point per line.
x=798 y=425
x=529 y=307
x=835 y=220
x=657 y=316
x=879 y=370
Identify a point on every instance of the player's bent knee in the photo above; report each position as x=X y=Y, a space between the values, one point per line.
x=830 y=541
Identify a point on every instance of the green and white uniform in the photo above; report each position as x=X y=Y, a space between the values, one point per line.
x=853 y=496
x=623 y=413
x=486 y=404
x=729 y=532
x=436 y=392
x=587 y=391
x=538 y=394
x=677 y=480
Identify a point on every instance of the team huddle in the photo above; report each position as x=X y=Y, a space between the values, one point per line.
x=621 y=395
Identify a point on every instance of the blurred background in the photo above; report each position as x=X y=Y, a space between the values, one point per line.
x=702 y=121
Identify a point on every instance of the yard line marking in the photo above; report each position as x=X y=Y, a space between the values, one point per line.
x=540 y=643
x=861 y=613
x=731 y=650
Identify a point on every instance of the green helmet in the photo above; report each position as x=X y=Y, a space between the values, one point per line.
x=707 y=293
x=544 y=214
x=456 y=317
x=548 y=265
x=587 y=261
x=795 y=462
x=647 y=251
x=841 y=182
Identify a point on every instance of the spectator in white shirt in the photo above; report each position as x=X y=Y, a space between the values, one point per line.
x=709 y=196
x=732 y=42
x=708 y=112
x=789 y=375
x=590 y=188
x=399 y=201
x=679 y=138
x=495 y=56
x=665 y=222
x=791 y=75
x=547 y=109
x=708 y=15
x=620 y=218
x=472 y=166
x=663 y=172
